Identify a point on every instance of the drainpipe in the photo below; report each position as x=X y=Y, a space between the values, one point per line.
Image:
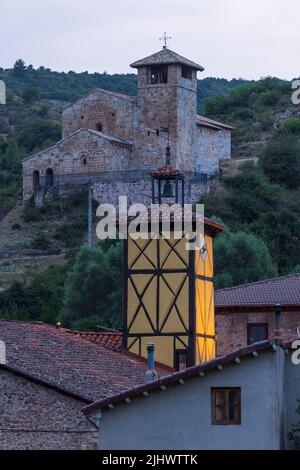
x=277 y=316
x=151 y=373
x=277 y=330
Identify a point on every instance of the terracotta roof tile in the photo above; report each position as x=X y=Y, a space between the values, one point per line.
x=112 y=341
x=207 y=122
x=68 y=361
x=282 y=290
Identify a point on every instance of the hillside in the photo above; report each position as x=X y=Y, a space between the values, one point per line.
x=259 y=198
x=256 y=196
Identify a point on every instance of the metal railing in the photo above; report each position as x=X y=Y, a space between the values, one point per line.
x=60 y=180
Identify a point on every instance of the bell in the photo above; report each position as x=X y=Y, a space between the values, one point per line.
x=168 y=189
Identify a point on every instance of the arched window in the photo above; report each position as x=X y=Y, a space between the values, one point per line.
x=84 y=160
x=49 y=177
x=36 y=179
x=99 y=127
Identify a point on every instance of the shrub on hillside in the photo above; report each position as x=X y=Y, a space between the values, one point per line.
x=240 y=258
x=41 y=242
x=280 y=159
x=31 y=213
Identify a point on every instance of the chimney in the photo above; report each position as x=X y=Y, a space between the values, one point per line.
x=151 y=374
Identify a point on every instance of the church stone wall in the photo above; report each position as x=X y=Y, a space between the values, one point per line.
x=115 y=113
x=82 y=153
x=92 y=125
x=34 y=417
x=213 y=146
x=140 y=191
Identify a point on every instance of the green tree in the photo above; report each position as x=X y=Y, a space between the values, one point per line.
x=94 y=287
x=280 y=230
x=240 y=258
x=30 y=95
x=12 y=157
x=249 y=194
x=39 y=133
x=19 y=69
x=42 y=299
x=280 y=159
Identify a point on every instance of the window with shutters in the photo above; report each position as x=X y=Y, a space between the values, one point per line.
x=226 y=406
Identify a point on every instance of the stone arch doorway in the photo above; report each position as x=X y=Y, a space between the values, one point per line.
x=35 y=179
x=49 y=177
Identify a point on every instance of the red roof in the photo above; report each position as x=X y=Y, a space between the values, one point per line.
x=112 y=341
x=68 y=361
x=207 y=122
x=282 y=290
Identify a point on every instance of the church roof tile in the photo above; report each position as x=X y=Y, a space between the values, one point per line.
x=165 y=56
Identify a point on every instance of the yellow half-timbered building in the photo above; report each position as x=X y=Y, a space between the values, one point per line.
x=169 y=299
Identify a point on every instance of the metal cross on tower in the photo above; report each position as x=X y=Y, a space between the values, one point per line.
x=165 y=38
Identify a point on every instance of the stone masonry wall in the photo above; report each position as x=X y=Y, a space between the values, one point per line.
x=114 y=112
x=213 y=146
x=140 y=192
x=231 y=328
x=171 y=105
x=83 y=152
x=86 y=150
x=35 y=417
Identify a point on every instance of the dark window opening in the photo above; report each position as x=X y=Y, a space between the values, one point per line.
x=49 y=177
x=113 y=114
x=226 y=406
x=84 y=161
x=257 y=332
x=36 y=179
x=159 y=74
x=157 y=131
x=99 y=127
x=180 y=360
x=148 y=133
x=187 y=72
x=82 y=117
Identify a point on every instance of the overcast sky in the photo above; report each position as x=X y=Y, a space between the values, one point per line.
x=230 y=38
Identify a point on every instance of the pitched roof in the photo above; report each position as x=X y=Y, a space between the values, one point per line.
x=112 y=341
x=68 y=362
x=103 y=135
x=114 y=94
x=282 y=290
x=206 y=122
x=178 y=377
x=165 y=56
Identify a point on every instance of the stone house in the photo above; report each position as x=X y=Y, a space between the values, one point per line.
x=245 y=400
x=114 y=140
x=247 y=313
x=48 y=376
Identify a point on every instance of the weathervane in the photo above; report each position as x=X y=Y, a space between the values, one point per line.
x=165 y=38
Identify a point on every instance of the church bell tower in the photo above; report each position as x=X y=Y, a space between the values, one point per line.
x=167 y=99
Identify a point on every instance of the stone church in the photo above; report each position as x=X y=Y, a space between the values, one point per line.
x=114 y=141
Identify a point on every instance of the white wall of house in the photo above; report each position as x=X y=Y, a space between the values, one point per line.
x=180 y=417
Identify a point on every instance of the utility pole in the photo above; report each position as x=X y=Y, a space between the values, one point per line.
x=90 y=216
